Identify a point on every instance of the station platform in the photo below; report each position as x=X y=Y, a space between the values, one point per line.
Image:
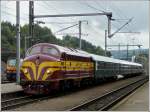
x=137 y=101
x=10 y=87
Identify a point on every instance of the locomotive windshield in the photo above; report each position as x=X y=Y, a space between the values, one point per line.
x=34 y=50
x=12 y=62
x=43 y=49
x=50 y=50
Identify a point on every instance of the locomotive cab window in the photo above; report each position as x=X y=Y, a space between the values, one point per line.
x=12 y=62
x=34 y=50
x=50 y=51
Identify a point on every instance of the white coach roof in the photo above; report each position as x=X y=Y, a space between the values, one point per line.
x=107 y=59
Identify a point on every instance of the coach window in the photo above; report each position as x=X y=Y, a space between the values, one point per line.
x=12 y=62
x=96 y=64
x=99 y=65
x=102 y=65
x=107 y=65
x=50 y=50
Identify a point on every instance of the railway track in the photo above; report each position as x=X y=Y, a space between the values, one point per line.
x=10 y=100
x=16 y=99
x=11 y=95
x=13 y=103
x=6 y=81
x=105 y=102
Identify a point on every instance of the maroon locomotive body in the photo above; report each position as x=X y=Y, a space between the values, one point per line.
x=49 y=67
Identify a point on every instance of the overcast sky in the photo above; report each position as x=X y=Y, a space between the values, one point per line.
x=96 y=26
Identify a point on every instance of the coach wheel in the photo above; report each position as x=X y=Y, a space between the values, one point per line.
x=115 y=77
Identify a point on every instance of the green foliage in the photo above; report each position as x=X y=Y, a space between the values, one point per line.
x=41 y=35
x=73 y=42
x=143 y=59
x=7 y=39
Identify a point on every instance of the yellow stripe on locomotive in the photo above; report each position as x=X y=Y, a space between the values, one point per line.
x=52 y=67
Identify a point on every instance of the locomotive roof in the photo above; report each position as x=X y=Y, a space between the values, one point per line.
x=72 y=51
x=81 y=53
x=69 y=51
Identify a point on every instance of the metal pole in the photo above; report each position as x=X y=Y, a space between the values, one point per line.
x=18 y=40
x=127 y=51
x=31 y=20
x=105 y=42
x=80 y=47
x=133 y=47
x=25 y=44
x=119 y=50
x=69 y=15
x=139 y=49
x=109 y=26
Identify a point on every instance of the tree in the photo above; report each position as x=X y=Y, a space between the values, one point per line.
x=143 y=59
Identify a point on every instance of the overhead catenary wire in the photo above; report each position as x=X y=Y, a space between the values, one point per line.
x=55 y=9
x=119 y=13
x=94 y=7
x=25 y=14
x=121 y=27
x=61 y=24
x=45 y=5
x=65 y=28
x=99 y=4
x=13 y=15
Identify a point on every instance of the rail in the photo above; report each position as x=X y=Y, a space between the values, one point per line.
x=109 y=99
x=6 y=81
x=16 y=99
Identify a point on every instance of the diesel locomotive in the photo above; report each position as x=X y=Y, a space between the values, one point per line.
x=11 y=69
x=48 y=67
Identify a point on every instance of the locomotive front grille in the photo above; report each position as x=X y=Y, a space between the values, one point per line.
x=38 y=72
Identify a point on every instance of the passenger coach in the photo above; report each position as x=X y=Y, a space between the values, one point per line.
x=109 y=68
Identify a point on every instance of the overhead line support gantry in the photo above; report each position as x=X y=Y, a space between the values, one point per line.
x=32 y=17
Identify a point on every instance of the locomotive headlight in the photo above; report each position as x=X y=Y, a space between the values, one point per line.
x=25 y=71
x=48 y=71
